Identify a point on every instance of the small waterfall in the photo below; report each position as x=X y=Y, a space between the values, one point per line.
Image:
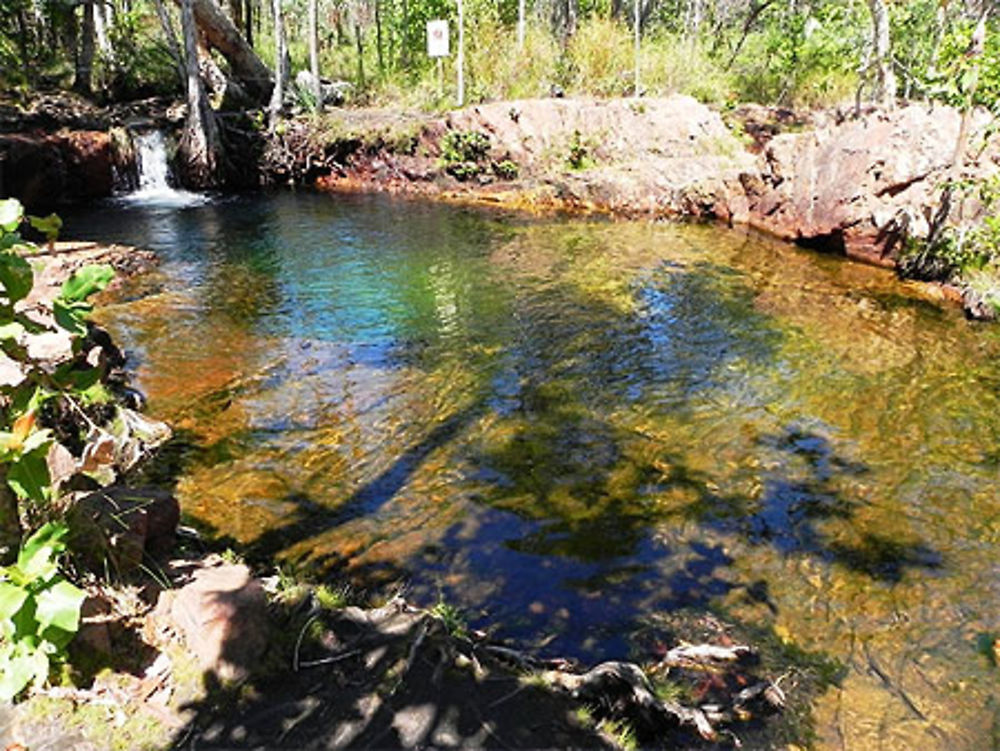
x=153 y=174
x=151 y=161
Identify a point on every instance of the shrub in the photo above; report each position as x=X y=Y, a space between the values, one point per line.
x=39 y=609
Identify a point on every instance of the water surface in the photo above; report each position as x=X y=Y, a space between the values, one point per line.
x=573 y=428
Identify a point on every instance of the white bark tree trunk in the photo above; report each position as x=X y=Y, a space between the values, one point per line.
x=200 y=148
x=885 y=77
x=314 y=54
x=220 y=33
x=280 y=72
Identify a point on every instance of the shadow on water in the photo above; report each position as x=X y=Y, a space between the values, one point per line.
x=567 y=544
x=581 y=435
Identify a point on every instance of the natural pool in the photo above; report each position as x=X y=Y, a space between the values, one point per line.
x=572 y=428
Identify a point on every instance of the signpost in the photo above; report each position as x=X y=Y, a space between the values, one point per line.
x=437 y=47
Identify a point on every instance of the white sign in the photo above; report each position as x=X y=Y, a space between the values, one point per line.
x=437 y=39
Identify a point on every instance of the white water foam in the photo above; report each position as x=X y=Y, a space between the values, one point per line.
x=154 y=176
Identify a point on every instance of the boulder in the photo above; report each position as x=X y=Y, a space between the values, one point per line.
x=119 y=526
x=222 y=615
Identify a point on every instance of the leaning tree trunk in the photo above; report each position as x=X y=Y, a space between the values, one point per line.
x=171 y=37
x=220 y=33
x=85 y=57
x=885 y=78
x=280 y=69
x=200 y=148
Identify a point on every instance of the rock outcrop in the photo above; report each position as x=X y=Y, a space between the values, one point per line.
x=661 y=157
x=859 y=186
x=46 y=169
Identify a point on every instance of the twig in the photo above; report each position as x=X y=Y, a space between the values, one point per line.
x=329 y=660
x=298 y=641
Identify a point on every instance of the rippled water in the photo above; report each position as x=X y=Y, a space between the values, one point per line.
x=573 y=428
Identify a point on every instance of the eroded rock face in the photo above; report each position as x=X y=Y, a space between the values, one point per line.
x=43 y=170
x=222 y=615
x=660 y=157
x=859 y=186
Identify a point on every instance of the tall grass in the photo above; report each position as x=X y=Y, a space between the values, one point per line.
x=813 y=69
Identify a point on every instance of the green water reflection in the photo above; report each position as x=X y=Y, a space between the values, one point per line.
x=570 y=428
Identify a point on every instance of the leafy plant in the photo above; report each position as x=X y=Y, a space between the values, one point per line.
x=506 y=169
x=39 y=608
x=39 y=611
x=462 y=153
x=464 y=146
x=23 y=444
x=579 y=156
x=451 y=617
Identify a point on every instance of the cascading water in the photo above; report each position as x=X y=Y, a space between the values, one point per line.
x=154 y=174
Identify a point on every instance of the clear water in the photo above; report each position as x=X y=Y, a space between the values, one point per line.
x=573 y=428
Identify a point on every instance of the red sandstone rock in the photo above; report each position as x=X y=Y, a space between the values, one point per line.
x=858 y=186
x=45 y=170
x=222 y=614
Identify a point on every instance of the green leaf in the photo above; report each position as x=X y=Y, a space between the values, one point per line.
x=85 y=282
x=59 y=606
x=11 y=330
x=12 y=241
x=12 y=597
x=15 y=673
x=36 y=440
x=29 y=398
x=71 y=316
x=72 y=378
x=16 y=276
x=38 y=553
x=47 y=225
x=29 y=477
x=11 y=213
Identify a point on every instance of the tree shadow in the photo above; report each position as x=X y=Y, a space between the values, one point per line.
x=577 y=528
x=386 y=678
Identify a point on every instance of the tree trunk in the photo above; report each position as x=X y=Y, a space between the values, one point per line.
x=175 y=50
x=361 y=55
x=200 y=148
x=695 y=15
x=314 y=54
x=85 y=58
x=236 y=12
x=248 y=19
x=222 y=35
x=102 y=22
x=885 y=78
x=280 y=72
x=378 y=38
